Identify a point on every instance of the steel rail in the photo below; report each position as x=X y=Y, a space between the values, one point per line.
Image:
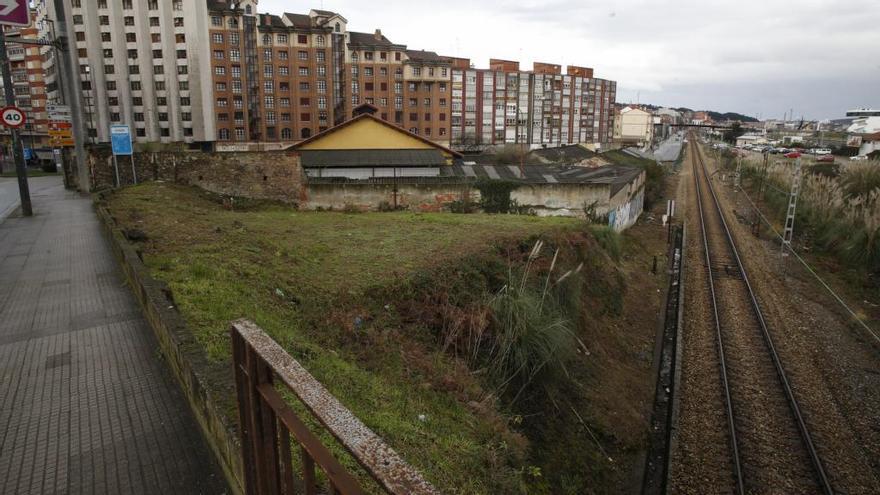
x=734 y=444
x=768 y=340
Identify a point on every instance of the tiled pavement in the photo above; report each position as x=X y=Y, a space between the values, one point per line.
x=86 y=403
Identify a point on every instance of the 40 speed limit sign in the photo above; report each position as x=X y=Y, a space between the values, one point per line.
x=12 y=117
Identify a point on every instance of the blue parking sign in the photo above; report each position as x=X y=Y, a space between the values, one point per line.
x=120 y=139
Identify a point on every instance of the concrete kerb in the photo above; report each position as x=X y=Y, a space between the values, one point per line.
x=186 y=358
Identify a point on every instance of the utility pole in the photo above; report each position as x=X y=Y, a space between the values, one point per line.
x=788 y=233
x=68 y=79
x=17 y=152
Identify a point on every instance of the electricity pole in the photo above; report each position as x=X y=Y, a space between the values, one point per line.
x=17 y=153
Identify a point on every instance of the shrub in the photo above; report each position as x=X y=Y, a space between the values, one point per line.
x=462 y=206
x=608 y=239
x=495 y=195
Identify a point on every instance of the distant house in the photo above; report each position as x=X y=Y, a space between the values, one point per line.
x=633 y=125
x=366 y=146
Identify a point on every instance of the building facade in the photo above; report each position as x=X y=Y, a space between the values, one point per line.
x=505 y=105
x=219 y=72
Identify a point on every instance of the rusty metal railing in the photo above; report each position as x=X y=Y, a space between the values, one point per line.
x=268 y=423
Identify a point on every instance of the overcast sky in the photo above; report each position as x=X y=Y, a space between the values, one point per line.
x=757 y=57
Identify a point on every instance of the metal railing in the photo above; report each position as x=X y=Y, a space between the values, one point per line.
x=269 y=427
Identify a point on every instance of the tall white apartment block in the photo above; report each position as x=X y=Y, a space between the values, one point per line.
x=141 y=63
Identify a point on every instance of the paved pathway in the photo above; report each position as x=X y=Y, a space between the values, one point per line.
x=86 y=402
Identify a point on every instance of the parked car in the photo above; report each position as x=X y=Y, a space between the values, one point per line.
x=822 y=151
x=825 y=158
x=792 y=154
x=859 y=158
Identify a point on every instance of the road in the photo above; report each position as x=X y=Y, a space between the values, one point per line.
x=9 y=198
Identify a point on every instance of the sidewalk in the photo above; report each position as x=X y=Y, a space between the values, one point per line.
x=86 y=402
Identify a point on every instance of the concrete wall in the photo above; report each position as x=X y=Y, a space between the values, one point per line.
x=274 y=175
x=368 y=196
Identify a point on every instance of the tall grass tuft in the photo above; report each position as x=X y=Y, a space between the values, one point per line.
x=532 y=335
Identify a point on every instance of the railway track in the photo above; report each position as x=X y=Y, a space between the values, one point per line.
x=771 y=447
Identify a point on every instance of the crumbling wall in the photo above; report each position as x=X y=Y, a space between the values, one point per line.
x=274 y=175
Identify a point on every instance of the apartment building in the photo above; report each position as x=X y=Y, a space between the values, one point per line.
x=219 y=72
x=505 y=105
x=281 y=79
x=141 y=63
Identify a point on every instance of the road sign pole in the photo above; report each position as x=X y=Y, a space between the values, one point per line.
x=134 y=174
x=20 y=168
x=116 y=170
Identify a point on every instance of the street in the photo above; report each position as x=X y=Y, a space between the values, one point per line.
x=9 y=199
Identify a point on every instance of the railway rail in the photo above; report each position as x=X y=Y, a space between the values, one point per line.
x=770 y=443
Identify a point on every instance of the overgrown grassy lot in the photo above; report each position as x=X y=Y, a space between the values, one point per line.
x=400 y=315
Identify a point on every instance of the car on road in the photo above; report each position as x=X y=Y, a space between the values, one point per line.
x=792 y=154
x=825 y=158
x=858 y=158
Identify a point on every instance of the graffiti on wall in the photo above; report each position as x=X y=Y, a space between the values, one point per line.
x=626 y=214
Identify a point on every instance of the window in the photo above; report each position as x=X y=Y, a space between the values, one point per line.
x=322 y=102
x=269 y=101
x=368 y=55
x=413 y=102
x=303 y=55
x=397 y=56
x=153 y=4
x=383 y=56
x=413 y=116
x=354 y=71
x=284 y=102
x=220 y=70
x=177 y=5
x=268 y=71
x=285 y=117
x=282 y=55
x=157 y=53
x=302 y=39
x=162 y=101
x=134 y=69
x=178 y=22
x=320 y=56
x=135 y=85
x=305 y=117
x=220 y=86
x=182 y=69
x=398 y=87
x=368 y=71
x=267 y=55
x=160 y=85
x=104 y=20
x=355 y=100
x=286 y=133
x=109 y=69
x=154 y=21
x=77 y=19
x=414 y=130
x=303 y=71
x=219 y=54
x=108 y=53
x=383 y=86
x=268 y=87
x=139 y=117
x=110 y=85
x=181 y=54
x=284 y=70
x=223 y=117
x=303 y=86
x=234 y=55
x=236 y=86
x=239 y=134
x=383 y=102
x=223 y=134
x=130 y=37
x=222 y=102
x=443 y=87
x=80 y=36
x=442 y=103
x=233 y=38
x=217 y=38
x=427 y=102
x=336 y=28
x=155 y=37
x=322 y=86
x=282 y=39
x=319 y=40
x=427 y=117
x=383 y=71
x=303 y=102
x=322 y=71
x=216 y=21
x=417 y=71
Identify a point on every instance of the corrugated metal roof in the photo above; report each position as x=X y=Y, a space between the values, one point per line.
x=614 y=175
x=371 y=158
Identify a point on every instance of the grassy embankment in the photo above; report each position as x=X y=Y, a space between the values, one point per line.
x=397 y=314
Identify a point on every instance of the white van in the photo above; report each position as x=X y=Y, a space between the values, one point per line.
x=822 y=151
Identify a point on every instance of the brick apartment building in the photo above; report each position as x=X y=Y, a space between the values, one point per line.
x=503 y=104
x=217 y=71
x=33 y=77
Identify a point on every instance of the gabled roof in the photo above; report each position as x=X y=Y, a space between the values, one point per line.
x=299 y=20
x=369 y=39
x=427 y=57
x=366 y=116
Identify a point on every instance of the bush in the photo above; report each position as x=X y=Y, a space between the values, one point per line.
x=510 y=154
x=495 y=195
x=462 y=206
x=608 y=239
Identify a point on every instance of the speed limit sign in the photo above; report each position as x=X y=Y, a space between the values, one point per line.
x=12 y=117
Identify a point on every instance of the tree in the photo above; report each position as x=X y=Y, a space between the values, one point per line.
x=734 y=132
